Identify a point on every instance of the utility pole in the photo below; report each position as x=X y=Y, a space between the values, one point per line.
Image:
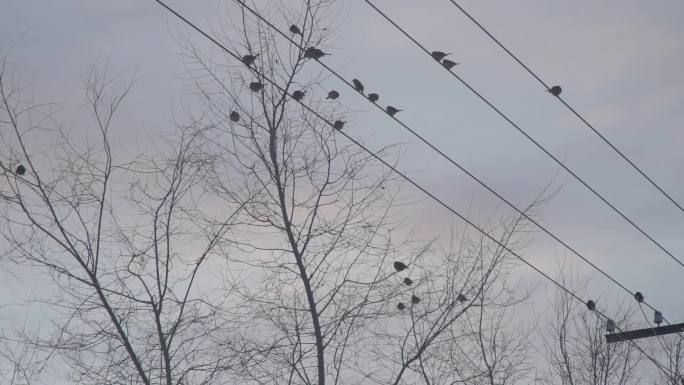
x=644 y=333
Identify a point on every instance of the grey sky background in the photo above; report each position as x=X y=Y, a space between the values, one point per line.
x=619 y=62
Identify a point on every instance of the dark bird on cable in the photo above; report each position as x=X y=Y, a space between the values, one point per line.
x=234 y=116
x=333 y=95
x=461 y=298
x=256 y=86
x=400 y=266
x=415 y=299
x=555 y=90
x=248 y=60
x=358 y=85
x=448 y=64
x=658 y=317
x=373 y=97
x=639 y=297
x=314 y=53
x=294 y=29
x=401 y=306
x=610 y=326
x=392 y=110
x=439 y=55
x=408 y=281
x=591 y=305
x=339 y=124
x=298 y=95
x=21 y=170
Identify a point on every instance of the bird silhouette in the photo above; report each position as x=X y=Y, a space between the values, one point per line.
x=461 y=298
x=657 y=317
x=298 y=95
x=448 y=64
x=373 y=97
x=408 y=281
x=400 y=266
x=358 y=85
x=555 y=90
x=339 y=124
x=401 y=306
x=256 y=86
x=439 y=55
x=333 y=95
x=415 y=299
x=234 y=116
x=639 y=297
x=591 y=305
x=248 y=60
x=294 y=29
x=610 y=326
x=314 y=53
x=392 y=110
x=21 y=170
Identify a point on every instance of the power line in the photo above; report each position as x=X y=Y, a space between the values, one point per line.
x=569 y=107
x=404 y=176
x=526 y=135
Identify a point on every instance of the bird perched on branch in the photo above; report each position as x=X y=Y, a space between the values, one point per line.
x=555 y=90
x=408 y=281
x=333 y=95
x=401 y=306
x=21 y=170
x=373 y=97
x=591 y=305
x=358 y=85
x=339 y=124
x=415 y=299
x=248 y=60
x=314 y=53
x=298 y=95
x=461 y=298
x=234 y=116
x=392 y=110
x=400 y=266
x=294 y=29
x=448 y=64
x=256 y=86
x=439 y=55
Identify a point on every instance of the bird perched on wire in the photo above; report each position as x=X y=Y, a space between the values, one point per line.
x=401 y=306
x=333 y=95
x=256 y=86
x=314 y=53
x=358 y=85
x=415 y=299
x=21 y=170
x=448 y=64
x=294 y=29
x=610 y=326
x=461 y=298
x=339 y=124
x=373 y=97
x=591 y=305
x=555 y=90
x=639 y=297
x=657 y=317
x=408 y=281
x=248 y=60
x=392 y=110
x=298 y=95
x=439 y=55
x=400 y=266
x=234 y=116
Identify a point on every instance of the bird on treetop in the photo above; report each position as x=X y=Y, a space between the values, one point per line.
x=358 y=85
x=255 y=86
x=439 y=55
x=21 y=170
x=401 y=306
x=314 y=53
x=333 y=95
x=294 y=29
x=400 y=266
x=339 y=124
x=234 y=116
x=555 y=90
x=415 y=299
x=392 y=110
x=298 y=95
x=448 y=64
x=373 y=97
x=591 y=305
x=408 y=281
x=248 y=60
x=461 y=298
x=639 y=297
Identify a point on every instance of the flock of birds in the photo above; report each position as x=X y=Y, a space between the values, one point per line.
x=401 y=266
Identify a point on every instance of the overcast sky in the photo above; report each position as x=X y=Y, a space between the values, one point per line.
x=619 y=62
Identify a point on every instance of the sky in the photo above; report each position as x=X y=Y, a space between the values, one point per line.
x=619 y=63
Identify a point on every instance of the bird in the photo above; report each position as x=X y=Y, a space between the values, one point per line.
x=448 y=64
x=234 y=116
x=314 y=53
x=408 y=281
x=358 y=85
x=400 y=266
x=461 y=298
x=338 y=124
x=401 y=306
x=255 y=86
x=294 y=29
x=298 y=95
x=373 y=97
x=658 y=317
x=591 y=305
x=21 y=170
x=415 y=299
x=248 y=60
x=333 y=95
x=555 y=90
x=639 y=297
x=439 y=55
x=392 y=110
x=610 y=326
